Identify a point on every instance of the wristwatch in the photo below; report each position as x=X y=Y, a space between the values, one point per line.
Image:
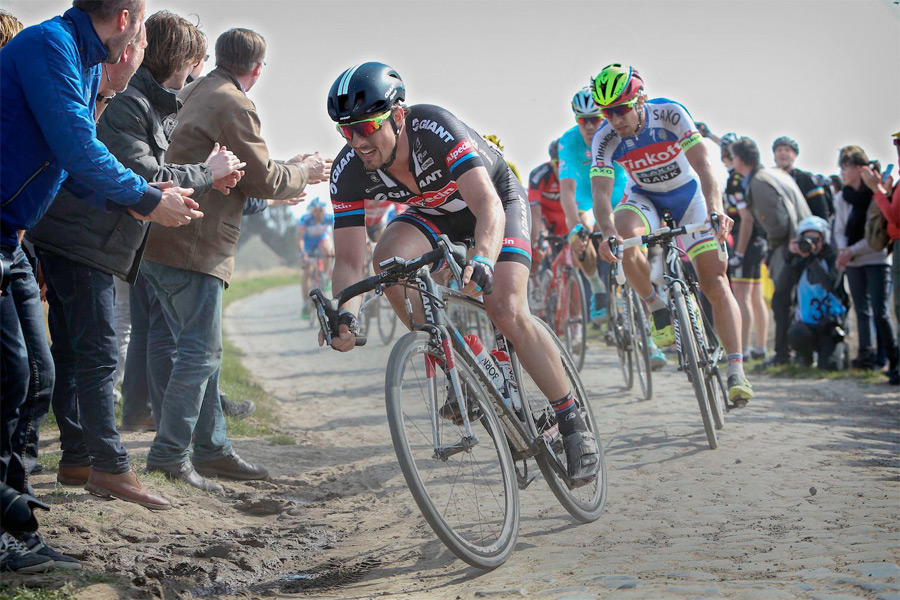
x=101 y=99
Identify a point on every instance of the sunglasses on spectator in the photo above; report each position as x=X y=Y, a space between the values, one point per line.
x=618 y=111
x=588 y=120
x=363 y=127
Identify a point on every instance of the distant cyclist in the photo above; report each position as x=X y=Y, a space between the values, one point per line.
x=379 y=212
x=454 y=183
x=575 y=190
x=313 y=241
x=657 y=142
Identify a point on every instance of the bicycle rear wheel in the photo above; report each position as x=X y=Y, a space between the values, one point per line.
x=387 y=319
x=585 y=503
x=468 y=496
x=689 y=352
x=573 y=318
x=616 y=311
x=640 y=340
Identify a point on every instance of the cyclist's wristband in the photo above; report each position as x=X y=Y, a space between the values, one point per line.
x=484 y=260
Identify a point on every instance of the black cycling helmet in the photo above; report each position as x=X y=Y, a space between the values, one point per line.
x=786 y=141
x=554 y=150
x=366 y=89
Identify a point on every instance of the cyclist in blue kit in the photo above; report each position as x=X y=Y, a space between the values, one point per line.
x=314 y=240
x=658 y=144
x=454 y=183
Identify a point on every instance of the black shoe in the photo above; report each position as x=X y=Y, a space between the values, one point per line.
x=37 y=468
x=237 y=410
x=15 y=557
x=231 y=467
x=185 y=472
x=450 y=409
x=36 y=545
x=582 y=457
x=757 y=354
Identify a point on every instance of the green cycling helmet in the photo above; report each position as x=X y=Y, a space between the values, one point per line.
x=616 y=84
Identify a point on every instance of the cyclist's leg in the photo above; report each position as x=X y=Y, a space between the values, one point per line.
x=507 y=307
x=326 y=251
x=702 y=250
x=742 y=291
x=637 y=215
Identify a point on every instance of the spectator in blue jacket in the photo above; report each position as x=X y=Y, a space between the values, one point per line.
x=49 y=77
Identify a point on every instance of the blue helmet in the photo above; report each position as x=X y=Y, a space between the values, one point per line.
x=316 y=203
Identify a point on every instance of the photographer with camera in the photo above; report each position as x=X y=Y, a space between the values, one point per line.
x=867 y=268
x=822 y=303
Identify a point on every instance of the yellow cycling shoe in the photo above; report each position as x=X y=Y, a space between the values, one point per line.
x=739 y=390
x=661 y=329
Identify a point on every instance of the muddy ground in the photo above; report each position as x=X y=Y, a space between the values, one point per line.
x=801 y=500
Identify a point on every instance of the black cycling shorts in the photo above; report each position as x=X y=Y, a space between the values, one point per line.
x=750 y=269
x=460 y=225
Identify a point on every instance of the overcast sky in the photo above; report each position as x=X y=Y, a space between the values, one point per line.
x=827 y=73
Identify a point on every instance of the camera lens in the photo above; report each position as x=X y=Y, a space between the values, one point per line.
x=805 y=244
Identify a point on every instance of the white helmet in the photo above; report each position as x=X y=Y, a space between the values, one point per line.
x=817 y=224
x=583 y=104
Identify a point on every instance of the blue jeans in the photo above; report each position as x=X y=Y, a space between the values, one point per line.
x=191 y=410
x=27 y=298
x=151 y=354
x=870 y=287
x=84 y=349
x=15 y=367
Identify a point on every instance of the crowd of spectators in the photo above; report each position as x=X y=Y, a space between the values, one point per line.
x=128 y=187
x=822 y=236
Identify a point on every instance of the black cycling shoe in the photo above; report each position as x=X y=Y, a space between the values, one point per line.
x=582 y=457
x=450 y=409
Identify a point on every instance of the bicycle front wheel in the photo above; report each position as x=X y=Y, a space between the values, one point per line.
x=692 y=367
x=465 y=488
x=617 y=309
x=573 y=317
x=640 y=341
x=585 y=503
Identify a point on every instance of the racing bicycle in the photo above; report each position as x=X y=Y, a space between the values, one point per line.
x=463 y=442
x=627 y=326
x=561 y=298
x=698 y=346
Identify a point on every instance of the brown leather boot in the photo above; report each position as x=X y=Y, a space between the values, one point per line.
x=124 y=486
x=73 y=475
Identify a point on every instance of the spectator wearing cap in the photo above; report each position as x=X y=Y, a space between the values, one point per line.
x=815 y=188
x=868 y=272
x=822 y=303
x=777 y=206
x=189 y=268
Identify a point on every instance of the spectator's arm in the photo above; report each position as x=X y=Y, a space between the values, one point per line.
x=254 y=205
x=123 y=129
x=263 y=177
x=746 y=232
x=841 y=212
x=66 y=120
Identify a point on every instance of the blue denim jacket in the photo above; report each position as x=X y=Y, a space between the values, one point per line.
x=49 y=77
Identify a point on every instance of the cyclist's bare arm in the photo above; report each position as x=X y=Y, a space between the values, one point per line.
x=601 y=190
x=349 y=260
x=478 y=192
x=699 y=159
x=301 y=232
x=567 y=201
x=537 y=223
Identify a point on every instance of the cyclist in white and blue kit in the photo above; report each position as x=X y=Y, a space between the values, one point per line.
x=658 y=144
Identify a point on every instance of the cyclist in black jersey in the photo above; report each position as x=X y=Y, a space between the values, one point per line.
x=454 y=183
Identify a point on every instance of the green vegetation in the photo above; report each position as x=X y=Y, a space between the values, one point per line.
x=281 y=440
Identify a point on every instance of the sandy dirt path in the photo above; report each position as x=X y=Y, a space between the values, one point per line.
x=801 y=500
